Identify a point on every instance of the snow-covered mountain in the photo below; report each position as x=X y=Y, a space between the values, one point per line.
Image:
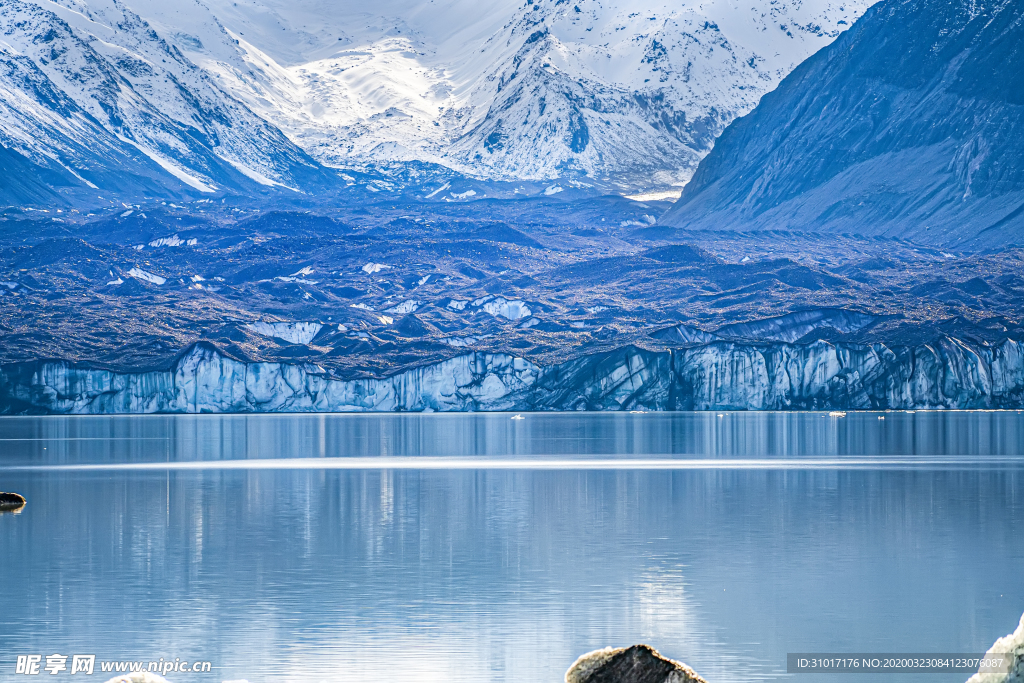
x=908 y=127
x=216 y=93
x=90 y=93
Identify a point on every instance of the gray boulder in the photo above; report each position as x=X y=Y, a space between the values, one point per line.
x=635 y=664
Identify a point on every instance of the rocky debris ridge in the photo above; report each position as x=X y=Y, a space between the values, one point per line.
x=908 y=125
x=794 y=326
x=721 y=375
x=1012 y=645
x=635 y=664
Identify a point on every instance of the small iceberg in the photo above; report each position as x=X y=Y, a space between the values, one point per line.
x=518 y=417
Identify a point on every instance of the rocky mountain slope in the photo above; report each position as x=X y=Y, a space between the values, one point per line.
x=909 y=125
x=157 y=98
x=93 y=101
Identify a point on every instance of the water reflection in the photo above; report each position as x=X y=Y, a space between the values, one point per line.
x=720 y=435
x=312 y=575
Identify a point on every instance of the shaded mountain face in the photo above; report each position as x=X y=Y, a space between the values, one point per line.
x=156 y=98
x=910 y=125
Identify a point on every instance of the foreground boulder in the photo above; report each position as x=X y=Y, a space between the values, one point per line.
x=1012 y=645
x=11 y=501
x=636 y=664
x=140 y=677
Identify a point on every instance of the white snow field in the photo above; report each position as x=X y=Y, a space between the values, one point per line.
x=633 y=91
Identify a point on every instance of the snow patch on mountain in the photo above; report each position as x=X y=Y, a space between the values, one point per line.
x=632 y=91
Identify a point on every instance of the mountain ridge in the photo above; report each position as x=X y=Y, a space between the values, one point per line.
x=145 y=98
x=904 y=127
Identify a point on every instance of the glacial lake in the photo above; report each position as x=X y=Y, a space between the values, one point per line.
x=475 y=548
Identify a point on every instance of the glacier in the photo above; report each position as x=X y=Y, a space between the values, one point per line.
x=946 y=374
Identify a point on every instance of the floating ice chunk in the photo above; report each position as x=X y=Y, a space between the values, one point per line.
x=295 y=333
x=578 y=324
x=404 y=307
x=482 y=300
x=140 y=247
x=342 y=327
x=744 y=259
x=371 y=268
x=423 y=280
x=947 y=254
x=9 y=285
x=837 y=413
x=385 y=319
x=464 y=195
x=457 y=304
x=306 y=270
x=192 y=242
x=118 y=281
x=127 y=213
x=596 y=309
x=518 y=417
x=554 y=189
x=363 y=307
x=650 y=220
x=198 y=278
x=513 y=310
x=529 y=323
x=140 y=274
x=172 y=241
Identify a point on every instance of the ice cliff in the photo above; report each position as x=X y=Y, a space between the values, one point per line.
x=721 y=375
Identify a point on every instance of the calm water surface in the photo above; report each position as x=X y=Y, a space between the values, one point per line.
x=725 y=540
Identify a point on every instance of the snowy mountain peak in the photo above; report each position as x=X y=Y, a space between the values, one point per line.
x=212 y=94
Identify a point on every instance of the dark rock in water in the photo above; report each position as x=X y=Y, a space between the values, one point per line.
x=11 y=501
x=635 y=664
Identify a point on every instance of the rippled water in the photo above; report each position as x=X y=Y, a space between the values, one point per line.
x=480 y=548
